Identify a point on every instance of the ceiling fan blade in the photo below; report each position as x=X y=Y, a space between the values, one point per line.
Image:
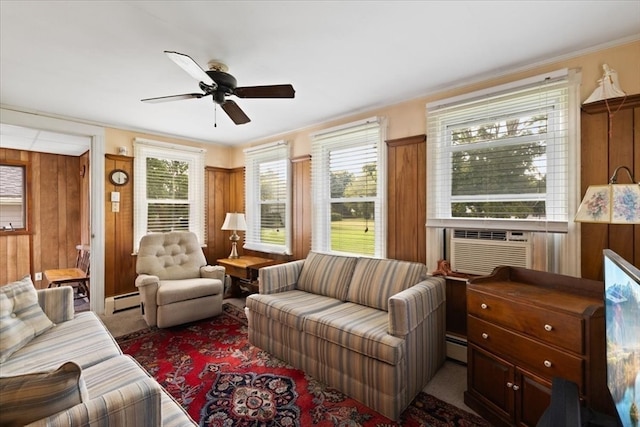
x=273 y=91
x=173 y=98
x=190 y=66
x=235 y=112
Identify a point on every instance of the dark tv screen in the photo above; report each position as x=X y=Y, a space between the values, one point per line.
x=622 y=309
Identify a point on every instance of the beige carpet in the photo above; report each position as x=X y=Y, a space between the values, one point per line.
x=449 y=383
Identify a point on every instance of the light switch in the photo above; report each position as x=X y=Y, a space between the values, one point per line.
x=115 y=196
x=115 y=206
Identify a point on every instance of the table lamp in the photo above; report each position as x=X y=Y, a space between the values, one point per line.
x=235 y=222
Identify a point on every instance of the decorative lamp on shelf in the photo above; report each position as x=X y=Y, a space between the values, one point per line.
x=613 y=203
x=235 y=222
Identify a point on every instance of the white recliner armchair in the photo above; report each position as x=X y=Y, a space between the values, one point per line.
x=176 y=286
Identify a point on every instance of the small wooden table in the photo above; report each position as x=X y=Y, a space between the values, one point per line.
x=244 y=273
x=62 y=276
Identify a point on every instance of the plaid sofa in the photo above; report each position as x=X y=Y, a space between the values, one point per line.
x=120 y=392
x=372 y=328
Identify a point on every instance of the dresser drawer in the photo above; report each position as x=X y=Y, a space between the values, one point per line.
x=537 y=357
x=552 y=327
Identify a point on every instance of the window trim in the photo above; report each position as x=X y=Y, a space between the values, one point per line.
x=27 y=198
x=145 y=148
x=438 y=183
x=322 y=143
x=254 y=156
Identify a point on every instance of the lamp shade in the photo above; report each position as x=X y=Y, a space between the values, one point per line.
x=234 y=221
x=610 y=204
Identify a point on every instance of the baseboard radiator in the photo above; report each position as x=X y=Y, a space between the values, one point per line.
x=456 y=348
x=121 y=302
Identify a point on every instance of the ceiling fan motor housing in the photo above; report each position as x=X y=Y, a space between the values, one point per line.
x=224 y=80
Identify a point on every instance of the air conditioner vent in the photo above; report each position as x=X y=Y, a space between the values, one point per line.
x=480 y=251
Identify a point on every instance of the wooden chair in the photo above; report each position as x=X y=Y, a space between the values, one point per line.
x=77 y=277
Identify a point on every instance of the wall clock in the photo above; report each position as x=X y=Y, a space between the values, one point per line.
x=118 y=177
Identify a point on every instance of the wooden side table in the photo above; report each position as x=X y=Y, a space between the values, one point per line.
x=244 y=273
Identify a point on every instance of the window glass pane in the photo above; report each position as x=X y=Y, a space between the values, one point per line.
x=12 y=197
x=272 y=226
x=353 y=228
x=167 y=179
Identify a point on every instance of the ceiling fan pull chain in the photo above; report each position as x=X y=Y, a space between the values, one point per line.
x=215 y=115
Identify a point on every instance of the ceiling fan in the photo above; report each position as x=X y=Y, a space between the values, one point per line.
x=220 y=84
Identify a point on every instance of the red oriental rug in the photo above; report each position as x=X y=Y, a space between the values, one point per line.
x=221 y=380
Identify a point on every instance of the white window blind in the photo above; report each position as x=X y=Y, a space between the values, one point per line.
x=500 y=159
x=168 y=189
x=349 y=189
x=268 y=198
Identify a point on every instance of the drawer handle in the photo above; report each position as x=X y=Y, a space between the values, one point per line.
x=548 y=328
x=509 y=385
x=547 y=363
x=485 y=335
x=483 y=306
x=516 y=387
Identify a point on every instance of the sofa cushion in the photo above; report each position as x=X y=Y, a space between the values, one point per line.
x=30 y=397
x=357 y=328
x=327 y=275
x=170 y=291
x=290 y=307
x=83 y=340
x=374 y=281
x=117 y=372
x=21 y=317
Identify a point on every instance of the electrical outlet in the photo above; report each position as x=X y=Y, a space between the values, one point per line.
x=38 y=276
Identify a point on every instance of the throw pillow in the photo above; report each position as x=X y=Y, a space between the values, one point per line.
x=21 y=317
x=30 y=397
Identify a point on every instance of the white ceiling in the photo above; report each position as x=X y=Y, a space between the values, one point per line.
x=96 y=60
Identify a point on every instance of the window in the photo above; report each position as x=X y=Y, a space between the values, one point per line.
x=168 y=189
x=500 y=159
x=268 y=188
x=349 y=189
x=13 y=197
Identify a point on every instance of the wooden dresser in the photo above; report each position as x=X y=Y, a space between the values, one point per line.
x=525 y=327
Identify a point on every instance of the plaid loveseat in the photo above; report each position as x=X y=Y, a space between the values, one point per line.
x=372 y=328
x=115 y=390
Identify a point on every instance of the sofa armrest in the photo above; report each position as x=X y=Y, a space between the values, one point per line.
x=148 y=287
x=135 y=404
x=409 y=308
x=212 y=272
x=57 y=303
x=280 y=277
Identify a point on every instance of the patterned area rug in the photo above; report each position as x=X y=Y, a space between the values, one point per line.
x=221 y=380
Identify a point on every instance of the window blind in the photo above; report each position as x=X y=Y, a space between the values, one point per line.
x=349 y=188
x=168 y=189
x=500 y=159
x=268 y=198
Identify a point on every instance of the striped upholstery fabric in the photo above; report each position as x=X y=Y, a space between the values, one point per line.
x=21 y=317
x=380 y=358
x=375 y=280
x=83 y=341
x=290 y=308
x=327 y=275
x=357 y=328
x=280 y=278
x=27 y=398
x=411 y=307
x=57 y=303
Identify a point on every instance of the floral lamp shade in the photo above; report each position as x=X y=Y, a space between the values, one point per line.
x=610 y=204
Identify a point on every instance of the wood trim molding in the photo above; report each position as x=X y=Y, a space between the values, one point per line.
x=614 y=104
x=303 y=158
x=118 y=157
x=408 y=140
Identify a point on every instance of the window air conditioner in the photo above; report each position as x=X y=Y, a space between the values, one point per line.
x=480 y=251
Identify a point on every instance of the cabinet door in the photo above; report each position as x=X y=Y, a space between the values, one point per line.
x=490 y=380
x=532 y=397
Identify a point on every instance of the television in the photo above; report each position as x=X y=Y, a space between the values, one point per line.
x=622 y=320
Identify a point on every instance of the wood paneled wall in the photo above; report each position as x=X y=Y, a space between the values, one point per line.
x=55 y=207
x=606 y=145
x=120 y=263
x=406 y=199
